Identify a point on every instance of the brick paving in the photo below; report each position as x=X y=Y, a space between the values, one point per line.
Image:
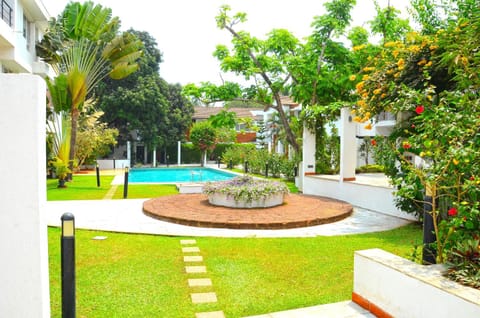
x=297 y=211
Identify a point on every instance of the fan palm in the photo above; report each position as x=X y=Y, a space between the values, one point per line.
x=83 y=47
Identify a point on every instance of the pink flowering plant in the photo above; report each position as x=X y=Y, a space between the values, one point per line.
x=245 y=188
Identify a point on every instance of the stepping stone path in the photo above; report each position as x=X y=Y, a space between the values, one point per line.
x=193 y=266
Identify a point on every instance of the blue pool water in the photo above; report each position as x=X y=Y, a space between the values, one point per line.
x=177 y=175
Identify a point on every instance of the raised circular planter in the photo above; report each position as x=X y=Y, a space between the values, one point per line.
x=228 y=201
x=246 y=192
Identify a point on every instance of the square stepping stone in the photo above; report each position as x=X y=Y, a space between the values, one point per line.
x=195 y=269
x=200 y=298
x=212 y=314
x=192 y=249
x=188 y=242
x=193 y=258
x=198 y=282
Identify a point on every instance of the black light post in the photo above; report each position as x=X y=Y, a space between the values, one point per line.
x=429 y=255
x=246 y=166
x=231 y=165
x=218 y=161
x=125 y=184
x=68 y=265
x=97 y=169
x=266 y=170
x=168 y=157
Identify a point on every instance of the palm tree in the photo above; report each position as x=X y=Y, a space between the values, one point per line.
x=83 y=46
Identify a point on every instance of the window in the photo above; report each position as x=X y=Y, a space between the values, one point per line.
x=26 y=31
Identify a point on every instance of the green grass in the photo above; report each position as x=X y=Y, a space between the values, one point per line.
x=140 y=191
x=80 y=188
x=143 y=275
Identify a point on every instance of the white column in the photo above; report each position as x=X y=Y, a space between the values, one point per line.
x=308 y=151
x=154 y=157
x=179 y=153
x=23 y=231
x=348 y=146
x=129 y=153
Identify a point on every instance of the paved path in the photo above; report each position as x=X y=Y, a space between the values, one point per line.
x=127 y=216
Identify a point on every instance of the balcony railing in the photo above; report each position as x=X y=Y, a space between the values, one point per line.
x=386 y=116
x=6 y=12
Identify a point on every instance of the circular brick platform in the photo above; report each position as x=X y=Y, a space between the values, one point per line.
x=297 y=211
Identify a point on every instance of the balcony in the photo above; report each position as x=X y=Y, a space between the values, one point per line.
x=385 y=122
x=6 y=12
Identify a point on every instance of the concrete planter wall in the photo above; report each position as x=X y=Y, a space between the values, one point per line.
x=390 y=286
x=228 y=201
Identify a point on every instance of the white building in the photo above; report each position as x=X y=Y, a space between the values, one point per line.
x=22 y=23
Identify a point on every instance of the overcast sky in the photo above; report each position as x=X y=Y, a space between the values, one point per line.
x=187 y=35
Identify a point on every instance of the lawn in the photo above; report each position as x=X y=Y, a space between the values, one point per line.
x=84 y=187
x=143 y=275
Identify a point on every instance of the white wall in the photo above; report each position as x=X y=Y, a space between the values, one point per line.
x=375 y=198
x=405 y=289
x=24 y=290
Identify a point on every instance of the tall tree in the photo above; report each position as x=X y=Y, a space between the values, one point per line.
x=145 y=103
x=263 y=60
x=83 y=46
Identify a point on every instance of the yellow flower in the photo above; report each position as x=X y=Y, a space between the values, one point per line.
x=368 y=69
x=377 y=91
x=395 y=53
x=422 y=62
x=365 y=95
x=359 y=47
x=362 y=103
x=359 y=86
x=357 y=119
x=455 y=162
x=429 y=97
x=396 y=74
x=433 y=47
x=428 y=64
x=365 y=77
x=352 y=77
x=414 y=49
x=383 y=95
x=368 y=126
x=389 y=44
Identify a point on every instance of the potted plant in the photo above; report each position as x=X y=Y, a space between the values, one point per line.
x=246 y=192
x=62 y=171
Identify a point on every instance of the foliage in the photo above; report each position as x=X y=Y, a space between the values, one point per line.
x=94 y=139
x=83 y=46
x=203 y=137
x=431 y=82
x=144 y=103
x=246 y=188
x=369 y=169
x=58 y=127
x=463 y=262
x=237 y=154
x=224 y=119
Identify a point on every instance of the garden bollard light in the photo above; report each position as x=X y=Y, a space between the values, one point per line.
x=168 y=157
x=218 y=162
x=266 y=170
x=231 y=164
x=125 y=184
x=68 y=265
x=97 y=169
x=429 y=254
x=246 y=166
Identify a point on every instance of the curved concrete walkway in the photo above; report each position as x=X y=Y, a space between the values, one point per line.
x=127 y=216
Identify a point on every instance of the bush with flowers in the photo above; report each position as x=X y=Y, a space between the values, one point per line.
x=432 y=83
x=246 y=189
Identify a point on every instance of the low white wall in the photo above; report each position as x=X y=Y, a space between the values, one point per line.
x=402 y=288
x=374 y=198
x=109 y=164
x=24 y=282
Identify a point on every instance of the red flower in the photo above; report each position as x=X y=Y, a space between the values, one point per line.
x=472 y=178
x=373 y=142
x=452 y=212
x=406 y=145
x=413 y=126
x=419 y=109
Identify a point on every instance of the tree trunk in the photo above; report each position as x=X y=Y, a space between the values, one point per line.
x=288 y=131
x=73 y=139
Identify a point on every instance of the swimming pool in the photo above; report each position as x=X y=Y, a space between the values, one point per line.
x=172 y=175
